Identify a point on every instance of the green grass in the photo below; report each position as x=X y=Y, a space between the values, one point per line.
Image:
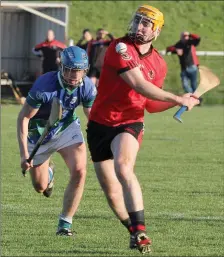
x=180 y=168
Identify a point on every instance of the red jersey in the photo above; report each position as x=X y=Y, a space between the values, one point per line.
x=116 y=102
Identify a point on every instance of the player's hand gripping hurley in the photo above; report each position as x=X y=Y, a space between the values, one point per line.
x=208 y=80
x=55 y=115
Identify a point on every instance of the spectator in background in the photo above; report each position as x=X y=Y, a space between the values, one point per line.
x=96 y=51
x=49 y=50
x=86 y=38
x=186 y=51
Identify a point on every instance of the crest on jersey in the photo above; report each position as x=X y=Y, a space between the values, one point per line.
x=39 y=95
x=151 y=74
x=74 y=99
x=141 y=66
x=125 y=56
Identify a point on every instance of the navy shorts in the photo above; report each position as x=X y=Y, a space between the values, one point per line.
x=99 y=138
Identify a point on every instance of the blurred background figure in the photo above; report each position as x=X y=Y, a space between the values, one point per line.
x=96 y=51
x=85 y=39
x=49 y=50
x=185 y=48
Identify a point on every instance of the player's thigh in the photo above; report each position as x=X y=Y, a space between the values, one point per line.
x=125 y=148
x=75 y=156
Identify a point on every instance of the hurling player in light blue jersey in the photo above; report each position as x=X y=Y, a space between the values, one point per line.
x=72 y=87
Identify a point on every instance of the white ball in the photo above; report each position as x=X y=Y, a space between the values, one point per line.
x=121 y=48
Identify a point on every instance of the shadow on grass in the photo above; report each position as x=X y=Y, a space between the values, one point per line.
x=191 y=219
x=43 y=214
x=96 y=252
x=187 y=193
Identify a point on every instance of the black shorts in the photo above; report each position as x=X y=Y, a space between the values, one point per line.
x=99 y=138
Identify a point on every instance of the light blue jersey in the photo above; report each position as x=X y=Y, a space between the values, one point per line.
x=45 y=88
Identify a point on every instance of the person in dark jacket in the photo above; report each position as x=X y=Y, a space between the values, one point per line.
x=185 y=48
x=96 y=51
x=85 y=39
x=49 y=50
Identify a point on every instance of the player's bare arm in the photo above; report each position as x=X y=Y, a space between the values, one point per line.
x=86 y=112
x=26 y=113
x=135 y=80
x=154 y=106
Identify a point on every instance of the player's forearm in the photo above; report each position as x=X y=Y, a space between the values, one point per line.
x=151 y=91
x=22 y=133
x=155 y=106
x=86 y=112
x=136 y=81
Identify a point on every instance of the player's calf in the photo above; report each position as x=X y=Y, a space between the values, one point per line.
x=48 y=191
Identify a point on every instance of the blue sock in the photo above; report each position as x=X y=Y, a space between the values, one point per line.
x=65 y=222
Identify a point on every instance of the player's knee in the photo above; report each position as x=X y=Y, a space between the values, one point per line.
x=39 y=188
x=78 y=174
x=124 y=170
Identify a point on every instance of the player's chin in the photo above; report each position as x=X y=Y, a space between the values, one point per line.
x=141 y=40
x=73 y=83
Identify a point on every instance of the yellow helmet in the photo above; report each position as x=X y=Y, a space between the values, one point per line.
x=152 y=14
x=149 y=14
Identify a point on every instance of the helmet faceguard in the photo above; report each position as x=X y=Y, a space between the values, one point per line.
x=73 y=60
x=67 y=76
x=146 y=14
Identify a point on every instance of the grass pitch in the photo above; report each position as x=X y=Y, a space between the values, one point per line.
x=180 y=168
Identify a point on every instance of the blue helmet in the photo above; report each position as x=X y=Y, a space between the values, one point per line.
x=75 y=58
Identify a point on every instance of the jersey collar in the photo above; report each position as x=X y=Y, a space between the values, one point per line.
x=146 y=54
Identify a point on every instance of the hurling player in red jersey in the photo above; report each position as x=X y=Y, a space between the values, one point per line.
x=133 y=74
